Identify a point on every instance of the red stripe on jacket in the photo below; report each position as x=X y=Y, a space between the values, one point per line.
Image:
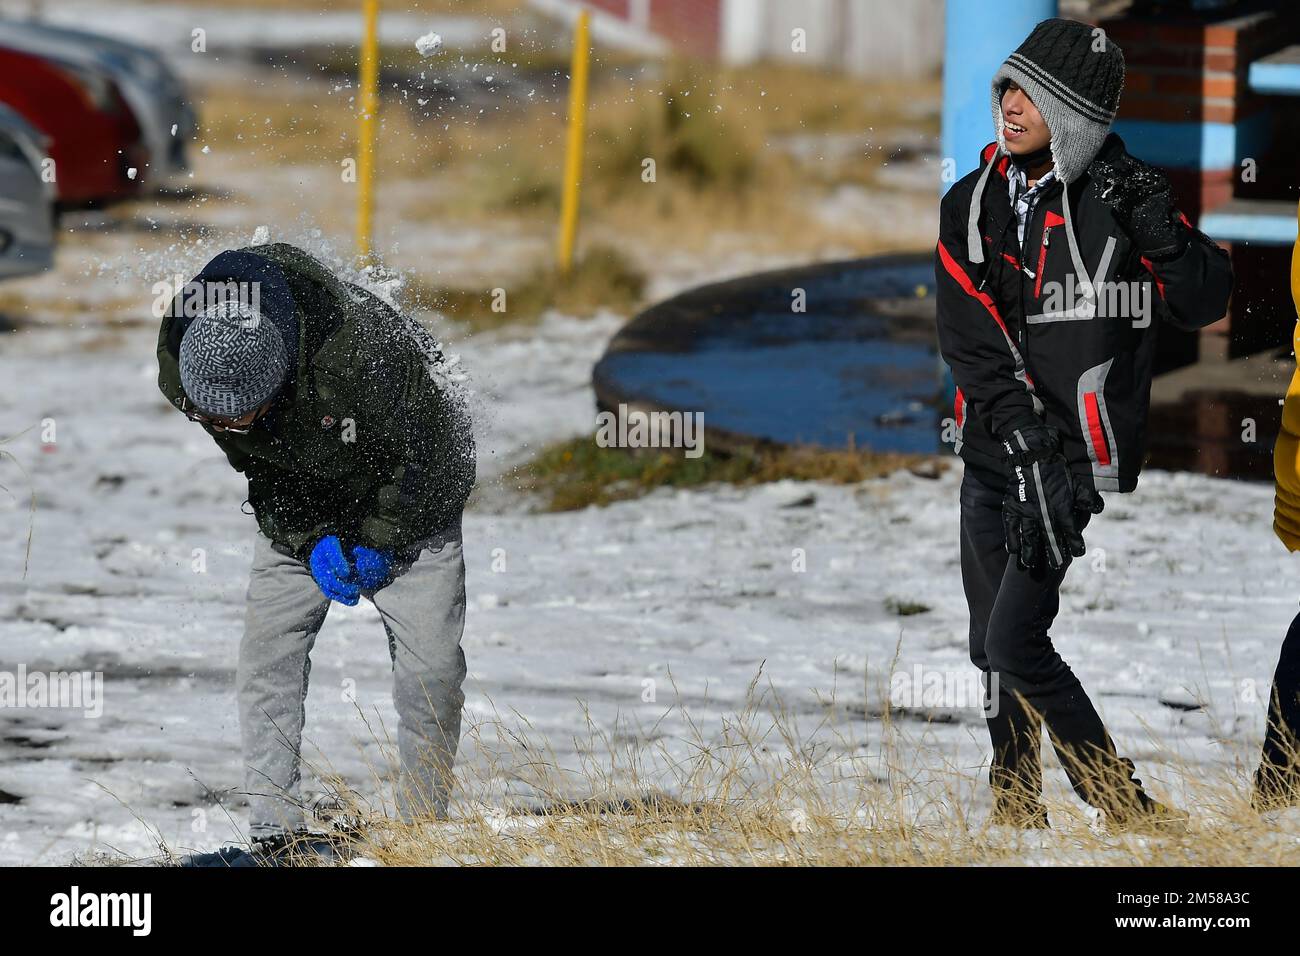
x=1095 y=431
x=963 y=280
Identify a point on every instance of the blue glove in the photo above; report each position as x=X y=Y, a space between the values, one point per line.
x=373 y=567
x=332 y=573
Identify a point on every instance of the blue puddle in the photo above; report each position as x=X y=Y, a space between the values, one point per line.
x=836 y=375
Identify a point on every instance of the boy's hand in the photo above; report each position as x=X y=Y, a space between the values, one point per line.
x=1086 y=504
x=373 y=567
x=1141 y=200
x=1038 y=510
x=333 y=574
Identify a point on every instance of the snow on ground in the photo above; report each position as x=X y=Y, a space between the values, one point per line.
x=140 y=557
x=1186 y=601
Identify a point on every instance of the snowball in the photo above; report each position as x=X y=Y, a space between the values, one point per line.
x=428 y=44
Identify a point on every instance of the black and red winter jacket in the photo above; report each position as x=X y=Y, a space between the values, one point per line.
x=1020 y=354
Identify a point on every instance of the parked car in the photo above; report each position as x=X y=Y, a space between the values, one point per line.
x=151 y=88
x=26 y=201
x=94 y=139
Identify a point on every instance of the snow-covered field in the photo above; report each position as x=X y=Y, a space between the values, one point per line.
x=140 y=553
x=1184 y=600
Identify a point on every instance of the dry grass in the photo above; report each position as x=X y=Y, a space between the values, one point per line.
x=759 y=790
x=602 y=278
x=14 y=309
x=579 y=473
x=269 y=125
x=724 y=176
x=715 y=136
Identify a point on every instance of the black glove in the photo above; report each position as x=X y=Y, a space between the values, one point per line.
x=1038 y=510
x=1141 y=200
x=1086 y=504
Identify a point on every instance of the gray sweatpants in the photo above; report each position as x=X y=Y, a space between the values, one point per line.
x=423 y=610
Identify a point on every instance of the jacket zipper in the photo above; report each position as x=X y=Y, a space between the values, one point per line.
x=1042 y=263
x=1024 y=331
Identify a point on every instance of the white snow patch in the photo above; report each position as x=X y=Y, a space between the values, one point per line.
x=428 y=44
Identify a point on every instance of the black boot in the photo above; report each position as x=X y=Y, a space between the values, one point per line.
x=299 y=848
x=1275 y=788
x=1152 y=817
x=1016 y=771
x=1019 y=813
x=1277 y=782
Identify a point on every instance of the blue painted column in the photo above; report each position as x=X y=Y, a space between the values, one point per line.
x=978 y=36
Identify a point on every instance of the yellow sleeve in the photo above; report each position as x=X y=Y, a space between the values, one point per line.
x=1286 y=453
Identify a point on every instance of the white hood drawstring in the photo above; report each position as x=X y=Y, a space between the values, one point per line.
x=1085 y=280
x=974 y=247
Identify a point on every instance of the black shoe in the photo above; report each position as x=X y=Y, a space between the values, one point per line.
x=227 y=856
x=1151 y=817
x=1275 y=788
x=1021 y=814
x=299 y=848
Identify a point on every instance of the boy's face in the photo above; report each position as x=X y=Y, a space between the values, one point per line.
x=237 y=426
x=1022 y=125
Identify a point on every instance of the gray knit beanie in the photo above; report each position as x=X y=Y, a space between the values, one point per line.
x=232 y=362
x=1074 y=74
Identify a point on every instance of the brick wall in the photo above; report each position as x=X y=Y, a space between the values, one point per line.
x=1188 y=69
x=1193 y=74
x=1188 y=108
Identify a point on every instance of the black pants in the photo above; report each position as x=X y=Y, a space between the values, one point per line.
x=1011 y=612
x=1283 y=736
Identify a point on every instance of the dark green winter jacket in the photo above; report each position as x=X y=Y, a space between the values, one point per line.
x=366 y=441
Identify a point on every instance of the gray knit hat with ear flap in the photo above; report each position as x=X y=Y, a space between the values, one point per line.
x=1074 y=74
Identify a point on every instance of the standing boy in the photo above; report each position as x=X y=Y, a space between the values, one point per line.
x=1056 y=261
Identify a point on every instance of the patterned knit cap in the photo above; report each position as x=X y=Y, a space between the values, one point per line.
x=232 y=362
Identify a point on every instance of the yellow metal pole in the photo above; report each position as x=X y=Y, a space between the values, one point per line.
x=369 y=109
x=573 y=153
